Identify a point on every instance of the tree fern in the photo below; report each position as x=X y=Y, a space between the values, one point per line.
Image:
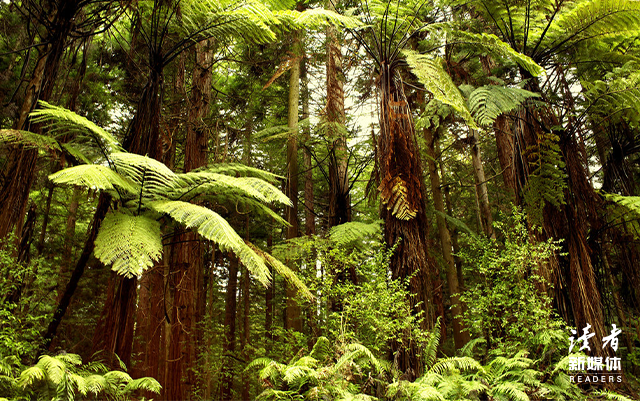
x=488 y=102
x=130 y=243
x=547 y=182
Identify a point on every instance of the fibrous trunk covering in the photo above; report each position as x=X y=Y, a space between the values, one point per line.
x=403 y=212
x=571 y=270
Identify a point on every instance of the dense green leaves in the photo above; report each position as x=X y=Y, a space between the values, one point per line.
x=130 y=243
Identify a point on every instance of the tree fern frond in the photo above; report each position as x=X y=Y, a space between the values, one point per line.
x=488 y=102
x=31 y=375
x=436 y=80
x=284 y=271
x=233 y=169
x=356 y=351
x=76 y=152
x=130 y=243
x=251 y=20
x=93 y=176
x=153 y=176
x=251 y=186
x=431 y=349
x=510 y=391
x=62 y=121
x=453 y=363
x=592 y=20
x=29 y=140
x=492 y=44
x=145 y=384
x=394 y=194
x=213 y=227
x=354 y=231
x=315 y=18
x=467 y=350
x=321 y=349
x=610 y=395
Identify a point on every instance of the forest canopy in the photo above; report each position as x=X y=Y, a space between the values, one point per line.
x=319 y=200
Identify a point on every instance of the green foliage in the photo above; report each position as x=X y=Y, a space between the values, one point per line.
x=64 y=378
x=504 y=303
x=436 y=80
x=131 y=238
x=547 y=179
x=354 y=233
x=306 y=378
x=488 y=102
x=491 y=44
x=130 y=243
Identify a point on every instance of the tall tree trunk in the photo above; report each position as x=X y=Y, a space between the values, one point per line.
x=21 y=168
x=143 y=137
x=229 y=341
x=293 y=319
x=481 y=186
x=460 y=336
x=339 y=198
x=309 y=213
x=101 y=211
x=572 y=221
x=403 y=211
x=185 y=267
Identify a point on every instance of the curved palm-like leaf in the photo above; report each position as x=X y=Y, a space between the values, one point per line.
x=214 y=227
x=94 y=177
x=488 y=102
x=492 y=44
x=590 y=20
x=254 y=187
x=154 y=177
x=436 y=80
x=130 y=243
x=29 y=140
x=61 y=121
x=285 y=272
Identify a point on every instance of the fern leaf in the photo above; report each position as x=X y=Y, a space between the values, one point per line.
x=321 y=349
x=130 y=243
x=436 y=80
x=255 y=187
x=492 y=44
x=394 y=195
x=488 y=102
x=62 y=121
x=93 y=176
x=213 y=227
x=610 y=395
x=144 y=383
x=592 y=20
x=238 y=169
x=154 y=177
x=29 y=140
x=460 y=363
x=354 y=231
x=284 y=271
x=511 y=391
